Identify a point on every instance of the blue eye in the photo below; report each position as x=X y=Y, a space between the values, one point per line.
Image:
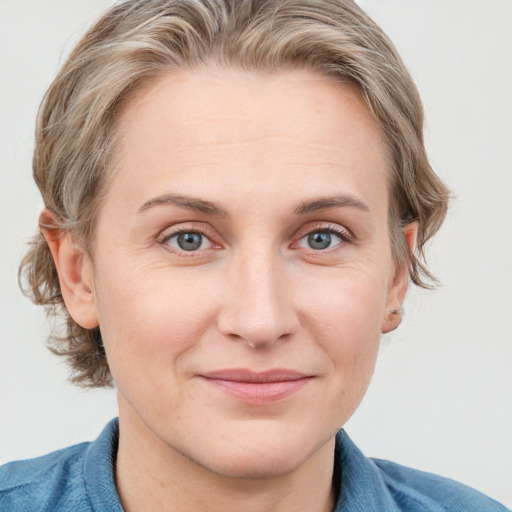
x=188 y=241
x=321 y=239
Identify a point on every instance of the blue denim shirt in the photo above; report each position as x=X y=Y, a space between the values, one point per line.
x=81 y=479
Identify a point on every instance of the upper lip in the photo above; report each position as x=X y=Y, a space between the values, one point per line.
x=245 y=375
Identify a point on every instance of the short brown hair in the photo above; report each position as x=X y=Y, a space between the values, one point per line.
x=138 y=40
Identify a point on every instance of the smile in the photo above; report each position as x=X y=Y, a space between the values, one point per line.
x=258 y=387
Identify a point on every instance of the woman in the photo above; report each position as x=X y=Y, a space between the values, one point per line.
x=237 y=195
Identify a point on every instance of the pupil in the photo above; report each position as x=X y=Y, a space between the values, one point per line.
x=189 y=241
x=319 y=240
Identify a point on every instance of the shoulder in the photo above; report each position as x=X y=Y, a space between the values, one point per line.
x=54 y=482
x=78 y=478
x=374 y=484
x=414 y=490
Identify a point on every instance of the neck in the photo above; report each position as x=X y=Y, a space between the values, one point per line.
x=151 y=476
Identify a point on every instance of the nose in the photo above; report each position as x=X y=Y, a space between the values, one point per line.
x=258 y=306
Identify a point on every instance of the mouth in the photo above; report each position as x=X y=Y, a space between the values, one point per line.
x=257 y=387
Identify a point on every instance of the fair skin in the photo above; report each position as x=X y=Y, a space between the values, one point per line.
x=244 y=239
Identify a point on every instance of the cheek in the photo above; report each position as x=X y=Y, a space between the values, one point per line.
x=347 y=330
x=344 y=316
x=353 y=296
x=150 y=322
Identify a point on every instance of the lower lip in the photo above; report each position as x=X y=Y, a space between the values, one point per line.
x=260 y=392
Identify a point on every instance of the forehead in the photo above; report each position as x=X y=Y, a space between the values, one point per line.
x=254 y=128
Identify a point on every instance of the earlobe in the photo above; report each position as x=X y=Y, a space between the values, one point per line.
x=74 y=268
x=398 y=289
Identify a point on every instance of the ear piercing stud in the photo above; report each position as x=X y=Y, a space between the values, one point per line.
x=394 y=311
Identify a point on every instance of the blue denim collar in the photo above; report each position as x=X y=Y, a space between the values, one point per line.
x=99 y=470
x=362 y=488
x=360 y=483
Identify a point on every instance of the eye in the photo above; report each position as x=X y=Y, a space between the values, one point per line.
x=188 y=241
x=322 y=239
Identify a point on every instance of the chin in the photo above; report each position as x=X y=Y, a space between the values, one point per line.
x=256 y=454
x=254 y=466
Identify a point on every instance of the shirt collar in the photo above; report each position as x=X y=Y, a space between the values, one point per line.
x=362 y=488
x=360 y=483
x=99 y=470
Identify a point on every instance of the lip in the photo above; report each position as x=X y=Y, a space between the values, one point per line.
x=257 y=387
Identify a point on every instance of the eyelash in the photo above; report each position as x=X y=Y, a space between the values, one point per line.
x=343 y=234
x=164 y=239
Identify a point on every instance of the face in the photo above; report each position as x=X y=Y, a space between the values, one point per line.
x=242 y=272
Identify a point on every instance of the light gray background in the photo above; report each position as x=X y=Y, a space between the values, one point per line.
x=441 y=399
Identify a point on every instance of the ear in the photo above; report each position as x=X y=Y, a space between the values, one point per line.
x=399 y=284
x=74 y=268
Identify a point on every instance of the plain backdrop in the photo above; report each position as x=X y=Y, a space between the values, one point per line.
x=441 y=398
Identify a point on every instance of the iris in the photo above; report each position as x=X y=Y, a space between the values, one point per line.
x=319 y=240
x=189 y=241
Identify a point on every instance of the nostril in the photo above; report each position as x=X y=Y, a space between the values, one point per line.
x=264 y=344
x=278 y=327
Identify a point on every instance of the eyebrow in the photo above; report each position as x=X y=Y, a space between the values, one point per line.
x=210 y=208
x=326 y=203
x=189 y=203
